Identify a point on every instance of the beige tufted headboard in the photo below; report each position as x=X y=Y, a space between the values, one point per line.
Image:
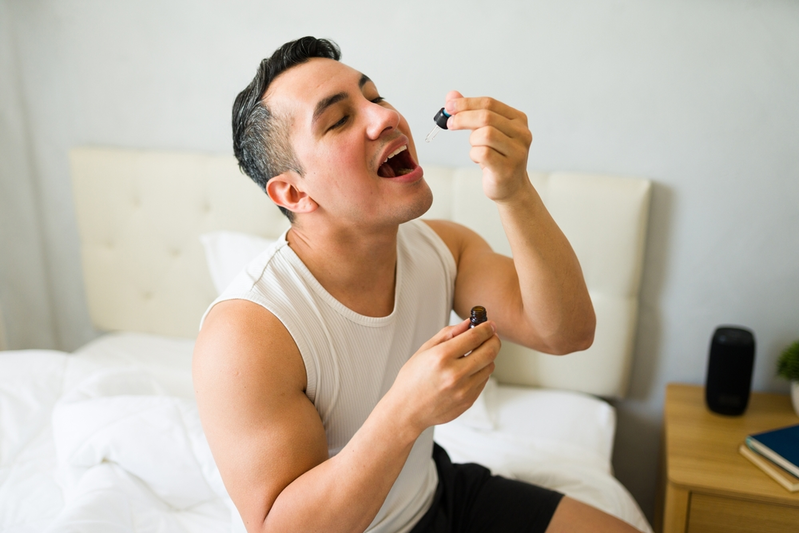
x=140 y=215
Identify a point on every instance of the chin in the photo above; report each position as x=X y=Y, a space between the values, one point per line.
x=423 y=202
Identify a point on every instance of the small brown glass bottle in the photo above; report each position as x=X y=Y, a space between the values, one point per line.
x=478 y=316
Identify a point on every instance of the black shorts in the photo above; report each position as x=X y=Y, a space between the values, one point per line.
x=469 y=499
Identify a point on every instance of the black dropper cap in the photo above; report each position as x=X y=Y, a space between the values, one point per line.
x=441 y=118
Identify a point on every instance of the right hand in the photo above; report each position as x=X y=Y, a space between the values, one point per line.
x=438 y=383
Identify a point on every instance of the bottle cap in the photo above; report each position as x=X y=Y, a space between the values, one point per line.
x=441 y=118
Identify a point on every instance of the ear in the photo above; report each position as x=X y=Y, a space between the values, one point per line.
x=284 y=190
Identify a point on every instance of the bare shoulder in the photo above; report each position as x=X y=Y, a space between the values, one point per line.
x=249 y=381
x=239 y=344
x=458 y=238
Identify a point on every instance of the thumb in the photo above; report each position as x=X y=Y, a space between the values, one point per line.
x=453 y=95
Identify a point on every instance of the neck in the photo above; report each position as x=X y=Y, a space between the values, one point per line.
x=357 y=267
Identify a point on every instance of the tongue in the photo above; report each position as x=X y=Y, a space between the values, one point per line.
x=386 y=171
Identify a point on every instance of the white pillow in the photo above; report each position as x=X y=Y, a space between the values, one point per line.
x=228 y=252
x=566 y=419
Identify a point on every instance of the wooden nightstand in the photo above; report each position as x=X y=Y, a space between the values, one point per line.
x=706 y=485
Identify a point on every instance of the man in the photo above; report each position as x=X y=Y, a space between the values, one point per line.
x=321 y=371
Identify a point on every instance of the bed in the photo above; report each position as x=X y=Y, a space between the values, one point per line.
x=107 y=438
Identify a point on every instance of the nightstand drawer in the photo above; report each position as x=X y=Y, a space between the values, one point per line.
x=714 y=514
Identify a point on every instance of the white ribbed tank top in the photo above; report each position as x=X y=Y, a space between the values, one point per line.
x=352 y=360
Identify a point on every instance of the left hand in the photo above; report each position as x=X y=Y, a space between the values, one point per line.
x=500 y=142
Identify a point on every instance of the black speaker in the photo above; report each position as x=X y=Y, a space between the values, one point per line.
x=729 y=370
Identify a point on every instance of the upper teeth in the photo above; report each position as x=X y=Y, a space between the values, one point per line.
x=395 y=152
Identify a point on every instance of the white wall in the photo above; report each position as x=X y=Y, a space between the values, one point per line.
x=701 y=96
x=24 y=281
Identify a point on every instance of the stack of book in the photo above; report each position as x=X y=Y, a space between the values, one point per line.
x=776 y=453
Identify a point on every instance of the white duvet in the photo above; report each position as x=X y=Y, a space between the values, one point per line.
x=132 y=459
x=109 y=440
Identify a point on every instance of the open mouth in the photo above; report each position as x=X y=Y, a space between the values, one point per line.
x=398 y=163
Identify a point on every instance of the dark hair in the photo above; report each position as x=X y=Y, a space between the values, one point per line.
x=260 y=137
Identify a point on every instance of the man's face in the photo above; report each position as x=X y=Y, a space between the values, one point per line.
x=357 y=150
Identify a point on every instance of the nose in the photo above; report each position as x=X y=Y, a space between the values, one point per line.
x=381 y=120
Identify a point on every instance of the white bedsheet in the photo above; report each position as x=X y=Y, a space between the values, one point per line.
x=108 y=440
x=133 y=459
x=557 y=439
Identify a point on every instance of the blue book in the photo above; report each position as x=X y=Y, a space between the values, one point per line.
x=780 y=445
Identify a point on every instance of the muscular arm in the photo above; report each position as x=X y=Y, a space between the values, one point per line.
x=267 y=438
x=538 y=298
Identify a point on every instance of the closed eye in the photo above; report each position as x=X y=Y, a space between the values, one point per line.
x=345 y=118
x=340 y=123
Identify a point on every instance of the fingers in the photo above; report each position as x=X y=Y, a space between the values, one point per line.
x=481 y=111
x=453 y=342
x=480 y=378
x=483 y=355
x=445 y=334
x=500 y=142
x=467 y=363
x=472 y=340
x=438 y=383
x=491 y=129
x=497 y=129
x=490 y=142
x=457 y=103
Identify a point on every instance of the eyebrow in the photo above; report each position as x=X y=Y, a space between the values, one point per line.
x=328 y=101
